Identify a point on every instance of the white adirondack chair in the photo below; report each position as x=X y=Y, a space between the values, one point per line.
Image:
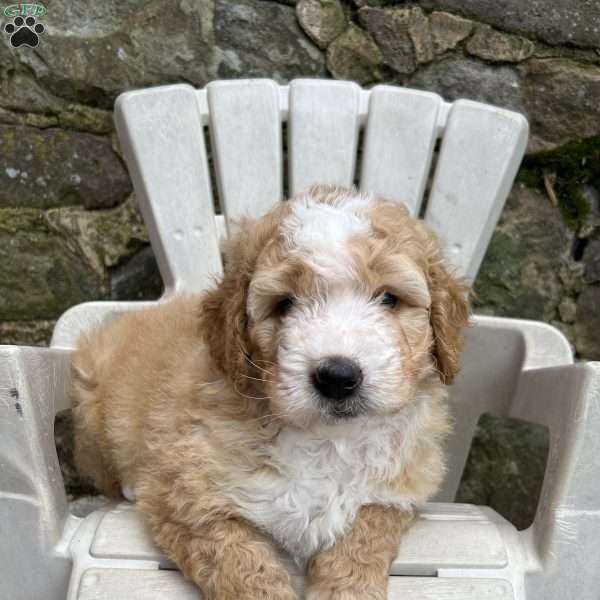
x=512 y=367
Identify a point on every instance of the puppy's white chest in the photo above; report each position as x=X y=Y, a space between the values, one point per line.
x=313 y=492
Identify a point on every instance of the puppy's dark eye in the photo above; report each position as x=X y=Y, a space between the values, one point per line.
x=284 y=306
x=388 y=299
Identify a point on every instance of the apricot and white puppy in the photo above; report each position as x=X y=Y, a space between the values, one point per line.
x=299 y=405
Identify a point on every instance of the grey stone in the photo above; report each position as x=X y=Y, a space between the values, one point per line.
x=496 y=46
x=137 y=279
x=587 y=323
x=591 y=260
x=556 y=22
x=567 y=310
x=40 y=276
x=448 y=30
x=103 y=237
x=591 y=195
x=571 y=276
x=403 y=34
x=520 y=274
x=420 y=34
x=134 y=44
x=558 y=96
x=85 y=118
x=262 y=39
x=354 y=55
x=390 y=29
x=376 y=3
x=90 y=59
x=24 y=102
x=26 y=333
x=40 y=121
x=561 y=99
x=583 y=55
x=323 y=20
x=53 y=167
x=455 y=78
x=22 y=93
x=505 y=468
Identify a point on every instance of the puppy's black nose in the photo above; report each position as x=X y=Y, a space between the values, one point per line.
x=337 y=377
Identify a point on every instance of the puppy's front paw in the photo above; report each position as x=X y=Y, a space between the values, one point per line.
x=346 y=594
x=253 y=593
x=252 y=588
x=267 y=594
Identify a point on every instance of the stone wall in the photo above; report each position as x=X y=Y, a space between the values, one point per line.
x=69 y=227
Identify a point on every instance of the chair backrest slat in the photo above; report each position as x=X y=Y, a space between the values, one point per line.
x=400 y=137
x=481 y=151
x=161 y=133
x=245 y=130
x=323 y=122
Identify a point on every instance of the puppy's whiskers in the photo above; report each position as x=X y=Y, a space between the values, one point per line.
x=251 y=362
x=261 y=379
x=267 y=362
x=273 y=417
x=239 y=393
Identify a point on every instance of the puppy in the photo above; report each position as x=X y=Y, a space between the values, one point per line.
x=298 y=405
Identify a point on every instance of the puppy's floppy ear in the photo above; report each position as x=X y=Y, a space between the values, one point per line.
x=449 y=311
x=449 y=316
x=223 y=317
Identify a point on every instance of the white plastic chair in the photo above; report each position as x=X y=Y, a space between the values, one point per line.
x=517 y=368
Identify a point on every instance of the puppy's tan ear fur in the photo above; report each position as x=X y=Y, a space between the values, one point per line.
x=450 y=312
x=223 y=317
x=449 y=294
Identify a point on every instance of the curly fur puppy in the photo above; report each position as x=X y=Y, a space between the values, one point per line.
x=298 y=405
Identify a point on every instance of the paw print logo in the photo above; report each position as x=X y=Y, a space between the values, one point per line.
x=24 y=32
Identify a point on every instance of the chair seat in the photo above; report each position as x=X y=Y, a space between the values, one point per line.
x=135 y=584
x=127 y=584
x=452 y=551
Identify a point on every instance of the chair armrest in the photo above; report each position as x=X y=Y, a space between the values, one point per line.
x=497 y=352
x=33 y=505
x=566 y=529
x=33 y=387
x=543 y=344
x=84 y=317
